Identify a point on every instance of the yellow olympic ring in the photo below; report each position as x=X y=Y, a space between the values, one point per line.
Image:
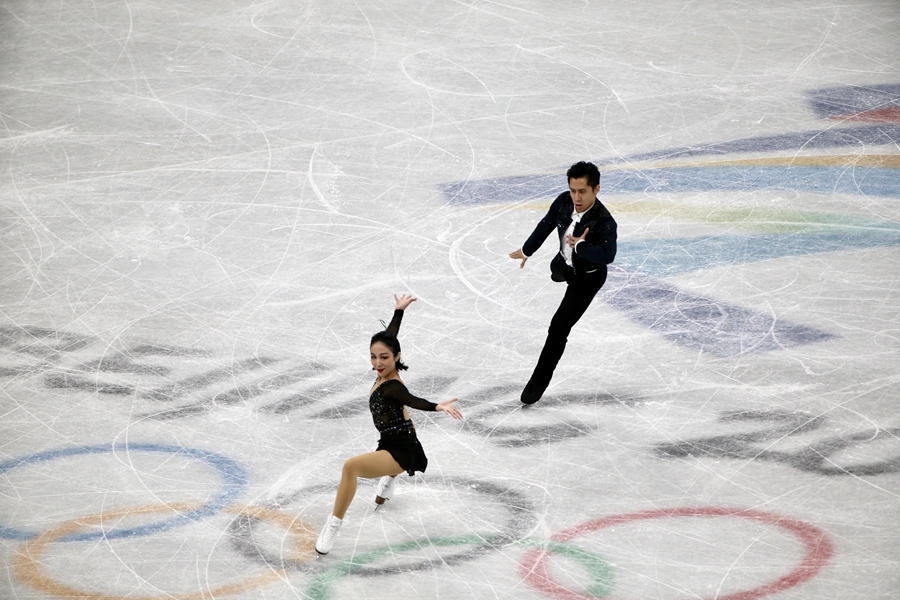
x=27 y=563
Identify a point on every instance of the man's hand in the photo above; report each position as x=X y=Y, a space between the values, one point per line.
x=519 y=255
x=571 y=240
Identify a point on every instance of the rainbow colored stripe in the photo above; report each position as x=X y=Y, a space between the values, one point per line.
x=791 y=163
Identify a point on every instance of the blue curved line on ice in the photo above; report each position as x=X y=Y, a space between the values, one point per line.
x=234 y=482
x=845 y=100
x=704 y=324
x=862 y=138
x=673 y=256
x=865 y=181
x=708 y=325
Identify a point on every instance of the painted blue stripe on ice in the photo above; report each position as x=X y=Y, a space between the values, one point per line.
x=862 y=137
x=709 y=326
x=505 y=189
x=848 y=100
x=866 y=181
x=234 y=482
x=671 y=256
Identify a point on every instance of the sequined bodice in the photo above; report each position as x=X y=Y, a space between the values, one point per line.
x=386 y=413
x=387 y=400
x=386 y=405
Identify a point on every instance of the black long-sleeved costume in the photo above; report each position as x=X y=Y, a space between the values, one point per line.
x=387 y=402
x=398 y=435
x=584 y=277
x=598 y=248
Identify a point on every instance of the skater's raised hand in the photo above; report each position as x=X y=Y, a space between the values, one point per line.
x=571 y=240
x=448 y=408
x=519 y=255
x=403 y=300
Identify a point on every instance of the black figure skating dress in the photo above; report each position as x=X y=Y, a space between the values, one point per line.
x=398 y=436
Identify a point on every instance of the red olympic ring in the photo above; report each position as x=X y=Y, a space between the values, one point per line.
x=819 y=550
x=27 y=564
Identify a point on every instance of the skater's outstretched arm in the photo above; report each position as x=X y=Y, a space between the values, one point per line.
x=448 y=408
x=401 y=303
x=541 y=232
x=544 y=228
x=397 y=392
x=519 y=255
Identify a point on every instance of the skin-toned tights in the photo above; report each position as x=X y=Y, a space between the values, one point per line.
x=369 y=466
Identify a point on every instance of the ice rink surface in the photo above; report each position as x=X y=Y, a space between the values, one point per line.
x=205 y=208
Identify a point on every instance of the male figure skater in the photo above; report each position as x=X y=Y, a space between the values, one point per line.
x=587 y=243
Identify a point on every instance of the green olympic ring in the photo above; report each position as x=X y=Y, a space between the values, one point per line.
x=599 y=571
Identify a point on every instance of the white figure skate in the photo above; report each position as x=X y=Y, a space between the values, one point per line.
x=385 y=490
x=326 y=539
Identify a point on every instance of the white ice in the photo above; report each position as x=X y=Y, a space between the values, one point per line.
x=206 y=207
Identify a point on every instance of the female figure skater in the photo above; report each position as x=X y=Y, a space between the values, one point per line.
x=398 y=449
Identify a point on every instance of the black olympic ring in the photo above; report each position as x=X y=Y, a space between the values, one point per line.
x=521 y=518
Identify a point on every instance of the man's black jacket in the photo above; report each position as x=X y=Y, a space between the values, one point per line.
x=598 y=248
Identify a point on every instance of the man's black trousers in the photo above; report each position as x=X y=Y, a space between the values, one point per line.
x=580 y=292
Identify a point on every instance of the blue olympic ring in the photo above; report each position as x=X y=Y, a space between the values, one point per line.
x=234 y=483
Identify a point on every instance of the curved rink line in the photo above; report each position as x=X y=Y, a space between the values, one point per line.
x=28 y=564
x=234 y=483
x=818 y=550
x=322 y=586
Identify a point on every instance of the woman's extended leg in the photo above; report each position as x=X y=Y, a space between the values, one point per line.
x=370 y=466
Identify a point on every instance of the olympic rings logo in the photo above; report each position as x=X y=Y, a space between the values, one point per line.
x=517 y=520
x=818 y=551
x=234 y=483
x=29 y=564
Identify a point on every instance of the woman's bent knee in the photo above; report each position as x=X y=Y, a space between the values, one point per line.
x=350 y=468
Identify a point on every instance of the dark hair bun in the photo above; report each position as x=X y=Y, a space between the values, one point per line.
x=390 y=340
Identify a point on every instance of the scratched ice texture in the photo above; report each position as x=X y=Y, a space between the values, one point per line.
x=205 y=208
